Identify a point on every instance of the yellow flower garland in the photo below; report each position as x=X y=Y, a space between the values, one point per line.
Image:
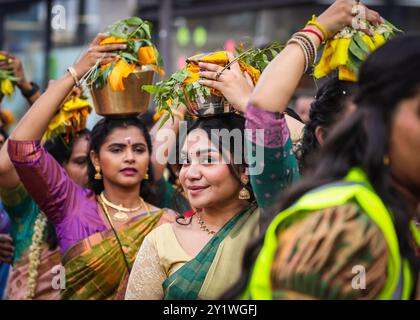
x=146 y=56
x=70 y=119
x=221 y=58
x=7 y=87
x=6 y=77
x=349 y=48
x=6 y=118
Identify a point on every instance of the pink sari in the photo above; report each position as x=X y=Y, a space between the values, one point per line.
x=17 y=286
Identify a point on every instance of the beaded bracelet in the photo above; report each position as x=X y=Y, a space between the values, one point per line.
x=305 y=51
x=310 y=43
x=308 y=49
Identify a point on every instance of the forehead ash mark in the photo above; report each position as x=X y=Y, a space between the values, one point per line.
x=128 y=139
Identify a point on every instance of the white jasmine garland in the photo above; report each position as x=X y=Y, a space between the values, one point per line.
x=35 y=255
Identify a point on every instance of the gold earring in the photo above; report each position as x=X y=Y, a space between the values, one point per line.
x=387 y=161
x=244 y=193
x=98 y=175
x=146 y=176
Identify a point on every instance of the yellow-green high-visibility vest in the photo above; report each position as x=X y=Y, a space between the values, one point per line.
x=355 y=186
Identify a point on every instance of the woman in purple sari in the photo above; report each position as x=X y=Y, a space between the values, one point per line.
x=99 y=229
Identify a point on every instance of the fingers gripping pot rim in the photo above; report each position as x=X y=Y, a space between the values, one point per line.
x=214 y=103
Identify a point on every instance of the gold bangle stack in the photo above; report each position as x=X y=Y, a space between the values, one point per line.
x=309 y=44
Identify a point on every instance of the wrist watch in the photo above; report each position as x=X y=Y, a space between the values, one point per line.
x=29 y=93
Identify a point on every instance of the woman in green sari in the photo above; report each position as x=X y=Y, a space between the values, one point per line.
x=101 y=228
x=198 y=256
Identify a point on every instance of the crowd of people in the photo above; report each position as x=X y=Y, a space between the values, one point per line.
x=334 y=194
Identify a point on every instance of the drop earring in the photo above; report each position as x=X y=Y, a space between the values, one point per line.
x=244 y=193
x=98 y=175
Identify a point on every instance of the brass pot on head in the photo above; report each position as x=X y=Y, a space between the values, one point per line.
x=208 y=106
x=132 y=101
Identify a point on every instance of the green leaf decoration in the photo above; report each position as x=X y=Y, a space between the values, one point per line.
x=133 y=21
x=137 y=33
x=173 y=88
x=354 y=63
x=357 y=51
x=151 y=89
x=362 y=45
x=118 y=34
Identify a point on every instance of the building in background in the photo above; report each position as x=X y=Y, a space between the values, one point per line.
x=50 y=35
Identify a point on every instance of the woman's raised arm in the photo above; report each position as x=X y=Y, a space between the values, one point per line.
x=33 y=125
x=281 y=78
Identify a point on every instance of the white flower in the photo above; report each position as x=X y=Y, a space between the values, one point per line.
x=35 y=254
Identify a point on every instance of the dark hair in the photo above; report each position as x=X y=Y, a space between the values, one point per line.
x=100 y=132
x=292 y=113
x=61 y=149
x=230 y=122
x=147 y=119
x=326 y=110
x=388 y=76
x=4 y=133
x=61 y=152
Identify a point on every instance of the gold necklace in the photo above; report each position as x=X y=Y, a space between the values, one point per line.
x=204 y=227
x=121 y=214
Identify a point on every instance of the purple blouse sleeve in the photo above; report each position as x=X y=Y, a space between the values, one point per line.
x=44 y=179
x=276 y=132
x=275 y=167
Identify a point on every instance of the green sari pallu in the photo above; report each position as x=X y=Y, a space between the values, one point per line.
x=218 y=265
x=95 y=267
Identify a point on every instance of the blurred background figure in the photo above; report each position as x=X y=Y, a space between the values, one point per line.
x=303 y=105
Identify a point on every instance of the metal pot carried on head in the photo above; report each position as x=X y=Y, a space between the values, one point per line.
x=116 y=87
x=208 y=106
x=133 y=100
x=215 y=103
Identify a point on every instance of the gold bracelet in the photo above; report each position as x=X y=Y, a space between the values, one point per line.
x=73 y=74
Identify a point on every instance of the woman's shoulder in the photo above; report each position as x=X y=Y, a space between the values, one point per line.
x=167 y=215
x=163 y=230
x=344 y=234
x=168 y=226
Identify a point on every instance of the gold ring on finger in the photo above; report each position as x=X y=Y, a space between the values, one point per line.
x=10 y=60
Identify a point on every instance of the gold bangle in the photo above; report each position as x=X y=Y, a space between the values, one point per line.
x=319 y=26
x=73 y=74
x=306 y=54
x=309 y=43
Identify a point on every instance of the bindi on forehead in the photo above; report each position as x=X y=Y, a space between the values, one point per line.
x=126 y=138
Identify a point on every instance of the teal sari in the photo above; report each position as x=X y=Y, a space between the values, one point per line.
x=187 y=282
